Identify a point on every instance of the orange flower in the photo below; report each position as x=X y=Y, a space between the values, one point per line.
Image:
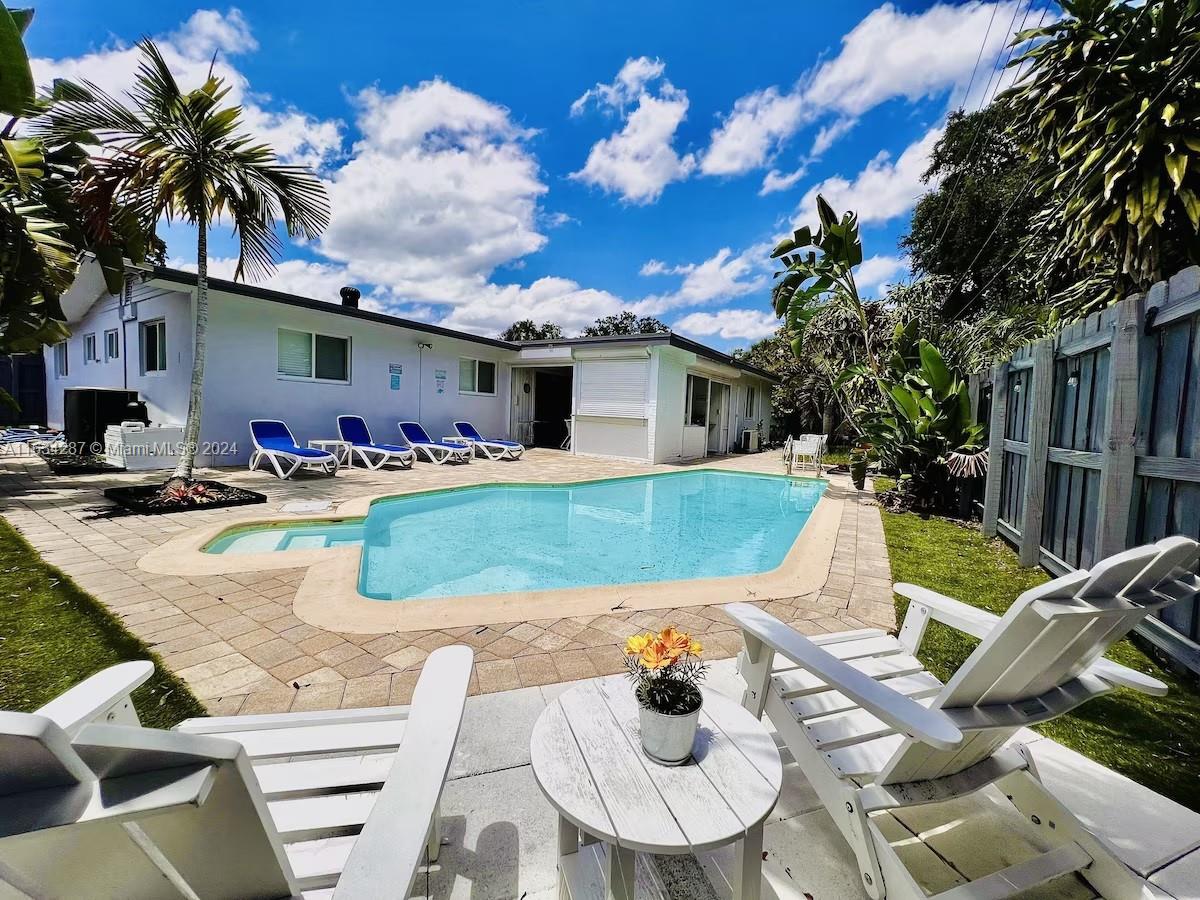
x=656 y=656
x=637 y=643
x=676 y=643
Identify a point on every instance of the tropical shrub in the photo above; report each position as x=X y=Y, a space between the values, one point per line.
x=42 y=230
x=1109 y=116
x=924 y=433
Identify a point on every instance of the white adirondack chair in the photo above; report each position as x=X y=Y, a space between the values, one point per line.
x=340 y=803
x=873 y=731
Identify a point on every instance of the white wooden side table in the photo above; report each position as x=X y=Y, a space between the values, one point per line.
x=339 y=448
x=613 y=802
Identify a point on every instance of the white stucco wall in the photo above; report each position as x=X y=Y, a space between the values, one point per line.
x=241 y=381
x=668 y=412
x=165 y=393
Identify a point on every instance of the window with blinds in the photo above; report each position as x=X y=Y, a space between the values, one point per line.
x=613 y=387
x=321 y=357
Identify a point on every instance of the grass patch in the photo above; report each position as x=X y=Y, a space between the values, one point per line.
x=53 y=635
x=1153 y=740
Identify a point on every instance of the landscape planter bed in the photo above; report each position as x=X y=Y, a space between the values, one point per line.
x=143 y=498
x=74 y=464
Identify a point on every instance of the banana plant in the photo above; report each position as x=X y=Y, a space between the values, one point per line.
x=925 y=431
x=818 y=274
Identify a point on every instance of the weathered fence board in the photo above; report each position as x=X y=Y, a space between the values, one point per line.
x=1095 y=441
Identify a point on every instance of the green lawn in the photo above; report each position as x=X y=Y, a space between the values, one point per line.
x=1153 y=740
x=53 y=635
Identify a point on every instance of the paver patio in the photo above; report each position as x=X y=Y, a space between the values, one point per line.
x=236 y=643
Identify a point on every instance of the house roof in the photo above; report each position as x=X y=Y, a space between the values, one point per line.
x=179 y=276
x=668 y=338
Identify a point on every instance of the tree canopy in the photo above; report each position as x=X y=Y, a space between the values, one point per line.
x=625 y=323
x=969 y=225
x=528 y=330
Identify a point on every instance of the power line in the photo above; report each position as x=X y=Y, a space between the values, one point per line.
x=948 y=208
x=1183 y=63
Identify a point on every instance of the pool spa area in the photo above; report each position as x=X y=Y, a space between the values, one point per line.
x=496 y=539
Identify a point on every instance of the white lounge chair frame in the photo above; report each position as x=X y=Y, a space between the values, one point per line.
x=434 y=451
x=282 y=459
x=373 y=456
x=92 y=804
x=490 y=449
x=872 y=731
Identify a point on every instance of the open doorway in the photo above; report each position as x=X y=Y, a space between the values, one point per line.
x=542 y=404
x=718 y=419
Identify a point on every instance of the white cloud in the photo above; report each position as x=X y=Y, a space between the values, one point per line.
x=752 y=132
x=722 y=276
x=891 y=53
x=439 y=191
x=879 y=272
x=778 y=181
x=729 y=324
x=297 y=137
x=884 y=189
x=829 y=134
x=631 y=80
x=640 y=160
x=888 y=54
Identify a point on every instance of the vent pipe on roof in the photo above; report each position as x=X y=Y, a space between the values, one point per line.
x=350 y=296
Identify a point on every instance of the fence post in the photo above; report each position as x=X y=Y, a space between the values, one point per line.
x=1120 y=425
x=995 y=474
x=1040 y=401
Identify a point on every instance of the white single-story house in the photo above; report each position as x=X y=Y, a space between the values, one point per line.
x=651 y=397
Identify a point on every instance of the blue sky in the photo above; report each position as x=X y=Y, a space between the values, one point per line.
x=488 y=162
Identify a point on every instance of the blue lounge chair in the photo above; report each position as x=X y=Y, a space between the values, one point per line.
x=492 y=448
x=435 y=451
x=273 y=442
x=354 y=431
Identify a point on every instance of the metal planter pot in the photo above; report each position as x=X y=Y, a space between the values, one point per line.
x=668 y=739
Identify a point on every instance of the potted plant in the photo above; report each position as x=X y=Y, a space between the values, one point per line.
x=666 y=672
x=859 y=458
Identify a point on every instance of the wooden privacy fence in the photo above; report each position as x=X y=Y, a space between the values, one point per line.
x=1095 y=441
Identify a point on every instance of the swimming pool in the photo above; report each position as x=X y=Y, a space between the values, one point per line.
x=494 y=539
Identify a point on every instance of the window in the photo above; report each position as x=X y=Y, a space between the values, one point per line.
x=303 y=354
x=154 y=346
x=697 y=400
x=60 y=359
x=112 y=344
x=751 y=402
x=89 y=349
x=476 y=376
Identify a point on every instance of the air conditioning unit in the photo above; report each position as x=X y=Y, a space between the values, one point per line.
x=749 y=440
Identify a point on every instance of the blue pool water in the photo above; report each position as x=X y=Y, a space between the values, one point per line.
x=497 y=539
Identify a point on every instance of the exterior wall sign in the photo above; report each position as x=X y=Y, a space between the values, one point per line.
x=395 y=370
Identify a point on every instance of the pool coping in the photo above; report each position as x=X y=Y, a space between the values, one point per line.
x=328 y=596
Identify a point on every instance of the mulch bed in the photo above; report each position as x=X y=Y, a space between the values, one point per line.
x=145 y=499
x=76 y=464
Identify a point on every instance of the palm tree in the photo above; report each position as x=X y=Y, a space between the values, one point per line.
x=175 y=155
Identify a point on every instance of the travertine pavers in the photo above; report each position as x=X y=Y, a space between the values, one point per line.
x=235 y=641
